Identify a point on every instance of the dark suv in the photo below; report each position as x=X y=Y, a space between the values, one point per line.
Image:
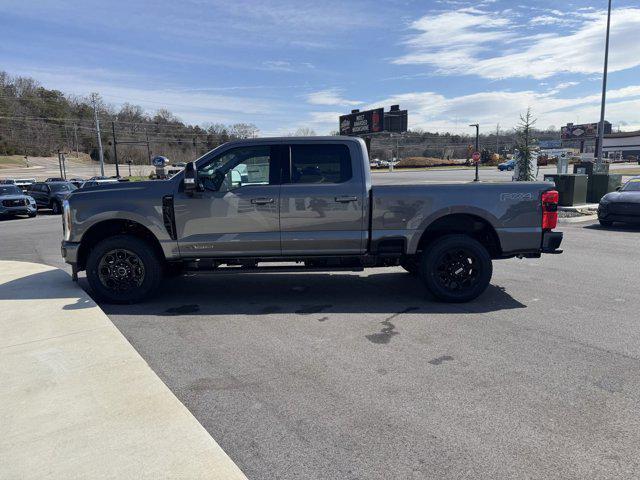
x=51 y=194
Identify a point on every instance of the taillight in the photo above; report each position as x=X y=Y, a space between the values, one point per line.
x=550 y=209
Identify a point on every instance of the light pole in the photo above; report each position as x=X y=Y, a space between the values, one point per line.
x=477 y=179
x=604 y=92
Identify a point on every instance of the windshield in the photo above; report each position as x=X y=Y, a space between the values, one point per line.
x=632 y=186
x=10 y=190
x=62 y=187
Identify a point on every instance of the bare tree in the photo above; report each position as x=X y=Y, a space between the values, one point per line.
x=305 y=132
x=524 y=172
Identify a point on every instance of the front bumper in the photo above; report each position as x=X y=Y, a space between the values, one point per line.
x=551 y=242
x=69 y=251
x=21 y=210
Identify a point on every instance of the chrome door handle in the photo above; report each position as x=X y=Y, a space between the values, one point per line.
x=261 y=201
x=346 y=199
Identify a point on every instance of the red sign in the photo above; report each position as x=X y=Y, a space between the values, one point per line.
x=476 y=156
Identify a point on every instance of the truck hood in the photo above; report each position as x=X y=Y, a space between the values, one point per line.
x=124 y=189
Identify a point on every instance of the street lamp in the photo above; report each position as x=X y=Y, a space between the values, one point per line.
x=604 y=92
x=477 y=125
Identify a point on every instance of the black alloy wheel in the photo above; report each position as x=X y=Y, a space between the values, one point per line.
x=456 y=268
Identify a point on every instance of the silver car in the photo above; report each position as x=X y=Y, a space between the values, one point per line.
x=14 y=202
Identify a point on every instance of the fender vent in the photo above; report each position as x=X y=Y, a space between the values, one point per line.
x=168 y=216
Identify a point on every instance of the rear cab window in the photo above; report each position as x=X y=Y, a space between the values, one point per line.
x=320 y=163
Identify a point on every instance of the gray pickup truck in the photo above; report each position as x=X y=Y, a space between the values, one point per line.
x=300 y=204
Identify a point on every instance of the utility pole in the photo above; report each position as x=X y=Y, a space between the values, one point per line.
x=60 y=164
x=604 y=93
x=94 y=99
x=498 y=139
x=148 y=149
x=115 y=148
x=75 y=138
x=477 y=125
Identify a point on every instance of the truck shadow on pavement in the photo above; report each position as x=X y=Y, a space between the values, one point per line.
x=304 y=294
x=50 y=284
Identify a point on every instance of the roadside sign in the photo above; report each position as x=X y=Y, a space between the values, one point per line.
x=476 y=156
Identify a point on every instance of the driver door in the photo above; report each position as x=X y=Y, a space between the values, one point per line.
x=237 y=212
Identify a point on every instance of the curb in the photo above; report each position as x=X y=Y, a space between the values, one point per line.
x=78 y=401
x=584 y=218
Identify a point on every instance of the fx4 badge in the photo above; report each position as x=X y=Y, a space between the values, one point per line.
x=515 y=197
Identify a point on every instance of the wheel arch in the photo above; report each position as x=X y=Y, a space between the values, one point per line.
x=109 y=228
x=471 y=224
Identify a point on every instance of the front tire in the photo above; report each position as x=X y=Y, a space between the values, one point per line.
x=606 y=223
x=123 y=269
x=456 y=268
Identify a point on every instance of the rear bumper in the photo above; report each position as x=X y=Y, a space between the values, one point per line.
x=551 y=242
x=69 y=251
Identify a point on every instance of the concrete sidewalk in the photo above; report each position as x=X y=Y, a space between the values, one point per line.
x=76 y=399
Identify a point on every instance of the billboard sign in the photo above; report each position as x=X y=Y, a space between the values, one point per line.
x=362 y=123
x=585 y=130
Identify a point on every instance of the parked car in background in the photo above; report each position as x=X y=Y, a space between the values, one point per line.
x=55 y=179
x=95 y=183
x=14 y=202
x=175 y=168
x=621 y=206
x=51 y=194
x=77 y=181
x=508 y=165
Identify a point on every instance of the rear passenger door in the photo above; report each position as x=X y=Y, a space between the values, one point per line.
x=38 y=193
x=322 y=200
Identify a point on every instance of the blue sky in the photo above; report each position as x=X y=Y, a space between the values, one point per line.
x=296 y=63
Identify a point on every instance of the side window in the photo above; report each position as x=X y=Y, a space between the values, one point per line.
x=239 y=167
x=320 y=164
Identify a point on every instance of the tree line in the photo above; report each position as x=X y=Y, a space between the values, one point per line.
x=37 y=121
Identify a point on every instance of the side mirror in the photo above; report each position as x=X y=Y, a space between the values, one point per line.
x=618 y=188
x=191 y=178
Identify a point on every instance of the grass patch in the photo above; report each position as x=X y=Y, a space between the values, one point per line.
x=12 y=161
x=626 y=171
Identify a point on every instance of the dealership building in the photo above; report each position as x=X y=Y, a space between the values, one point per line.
x=623 y=145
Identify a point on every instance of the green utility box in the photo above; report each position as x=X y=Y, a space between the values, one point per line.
x=589 y=168
x=600 y=184
x=571 y=187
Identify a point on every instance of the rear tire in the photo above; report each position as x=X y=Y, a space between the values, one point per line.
x=123 y=269
x=606 y=223
x=456 y=268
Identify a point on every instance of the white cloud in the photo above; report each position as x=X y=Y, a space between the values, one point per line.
x=472 y=42
x=436 y=112
x=549 y=20
x=331 y=96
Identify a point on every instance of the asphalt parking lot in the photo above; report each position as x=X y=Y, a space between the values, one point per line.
x=363 y=376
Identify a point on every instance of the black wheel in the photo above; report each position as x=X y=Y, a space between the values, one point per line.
x=411 y=265
x=31 y=215
x=456 y=268
x=606 y=223
x=123 y=269
x=56 y=208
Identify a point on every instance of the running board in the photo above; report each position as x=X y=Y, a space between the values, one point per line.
x=268 y=269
